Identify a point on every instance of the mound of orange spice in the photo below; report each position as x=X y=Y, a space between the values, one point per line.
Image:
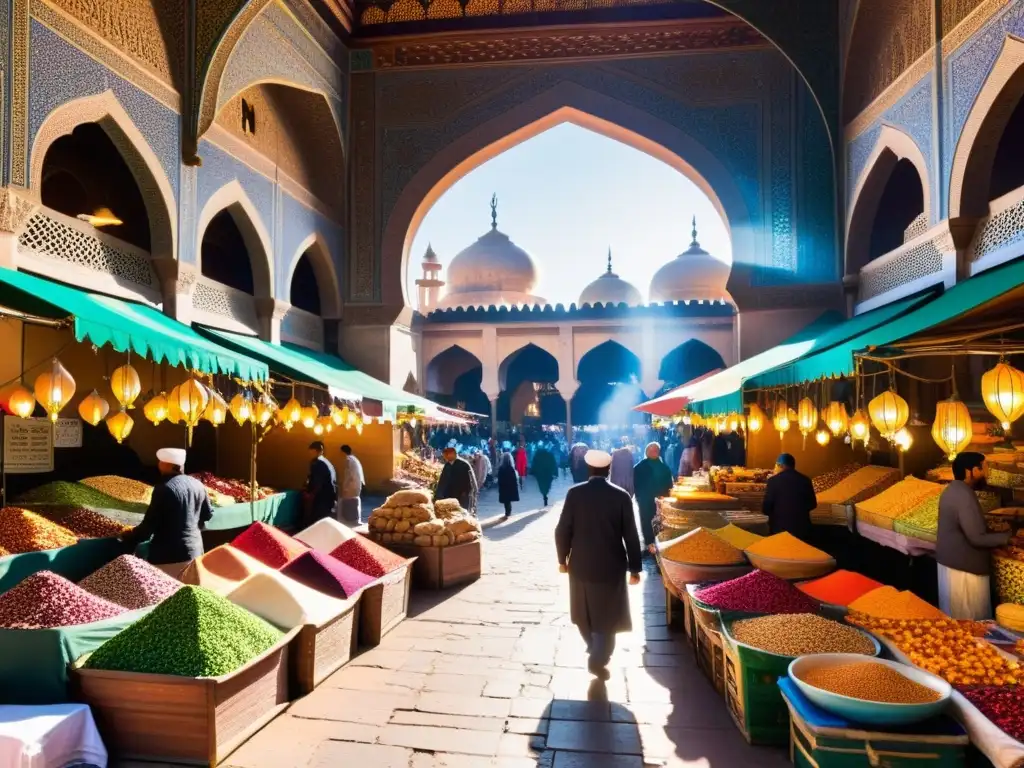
x=948 y=648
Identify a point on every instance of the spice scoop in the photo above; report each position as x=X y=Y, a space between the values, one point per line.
x=860 y=710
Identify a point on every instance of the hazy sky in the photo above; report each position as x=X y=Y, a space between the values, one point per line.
x=565 y=196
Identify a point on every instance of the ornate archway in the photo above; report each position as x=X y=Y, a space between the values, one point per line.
x=232 y=198
x=316 y=248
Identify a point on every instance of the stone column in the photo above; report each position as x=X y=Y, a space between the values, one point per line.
x=567 y=388
x=177 y=283
x=493 y=398
x=270 y=313
x=15 y=211
x=851 y=286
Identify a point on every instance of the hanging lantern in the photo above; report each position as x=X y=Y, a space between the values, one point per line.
x=903 y=440
x=318 y=428
x=735 y=422
x=191 y=401
x=836 y=419
x=952 y=430
x=156 y=409
x=327 y=424
x=124 y=382
x=1002 y=389
x=822 y=437
x=889 y=413
x=359 y=428
x=54 y=389
x=241 y=408
x=217 y=410
x=309 y=417
x=120 y=425
x=292 y=411
x=266 y=407
x=807 y=416
x=350 y=418
x=755 y=419
x=337 y=416
x=21 y=402
x=93 y=409
x=781 y=419
x=173 y=411
x=860 y=427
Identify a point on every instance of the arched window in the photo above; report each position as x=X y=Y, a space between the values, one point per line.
x=687 y=362
x=305 y=291
x=225 y=257
x=901 y=202
x=1008 y=169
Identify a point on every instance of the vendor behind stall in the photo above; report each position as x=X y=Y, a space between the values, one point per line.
x=789 y=499
x=177 y=512
x=320 y=498
x=963 y=546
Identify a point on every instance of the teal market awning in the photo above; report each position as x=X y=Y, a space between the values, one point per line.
x=125 y=326
x=947 y=306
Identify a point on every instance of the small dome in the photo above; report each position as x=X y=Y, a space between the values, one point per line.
x=609 y=288
x=692 y=275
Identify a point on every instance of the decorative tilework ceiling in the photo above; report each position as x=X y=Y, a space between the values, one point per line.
x=816 y=210
x=857 y=153
x=61 y=73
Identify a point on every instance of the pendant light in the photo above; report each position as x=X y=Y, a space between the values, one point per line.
x=93 y=409
x=124 y=383
x=781 y=420
x=755 y=419
x=860 y=427
x=156 y=409
x=735 y=422
x=241 y=408
x=1002 y=390
x=807 y=417
x=889 y=413
x=292 y=411
x=265 y=409
x=823 y=437
x=836 y=418
x=120 y=425
x=903 y=440
x=217 y=410
x=191 y=401
x=952 y=430
x=21 y=402
x=54 y=389
x=310 y=415
x=337 y=416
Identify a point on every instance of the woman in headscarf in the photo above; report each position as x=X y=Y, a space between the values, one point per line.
x=545 y=469
x=508 y=482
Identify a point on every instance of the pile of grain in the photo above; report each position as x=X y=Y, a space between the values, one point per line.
x=24 y=531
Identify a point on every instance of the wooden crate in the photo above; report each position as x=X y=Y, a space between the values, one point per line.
x=710 y=655
x=319 y=650
x=174 y=719
x=443 y=567
x=754 y=701
x=384 y=604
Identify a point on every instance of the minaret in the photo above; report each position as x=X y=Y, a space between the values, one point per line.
x=429 y=286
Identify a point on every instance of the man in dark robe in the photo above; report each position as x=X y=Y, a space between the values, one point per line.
x=178 y=510
x=457 y=481
x=652 y=479
x=545 y=469
x=789 y=499
x=597 y=545
x=577 y=465
x=320 y=498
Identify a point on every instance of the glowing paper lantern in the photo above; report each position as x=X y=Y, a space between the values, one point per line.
x=836 y=419
x=21 y=402
x=903 y=440
x=318 y=428
x=952 y=429
x=191 y=401
x=860 y=426
x=217 y=410
x=735 y=422
x=696 y=420
x=309 y=416
x=1002 y=389
x=241 y=408
x=822 y=437
x=807 y=416
x=120 y=425
x=93 y=409
x=755 y=419
x=889 y=413
x=173 y=411
x=124 y=382
x=337 y=416
x=781 y=420
x=292 y=411
x=54 y=389
x=265 y=409
x=156 y=409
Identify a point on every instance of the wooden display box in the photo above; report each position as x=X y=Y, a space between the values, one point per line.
x=384 y=604
x=711 y=655
x=319 y=650
x=443 y=567
x=175 y=719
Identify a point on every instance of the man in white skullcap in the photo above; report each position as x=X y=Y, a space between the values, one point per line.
x=178 y=511
x=597 y=545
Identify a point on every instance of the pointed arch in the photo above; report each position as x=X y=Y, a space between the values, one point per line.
x=688 y=361
x=323 y=267
x=232 y=198
x=529 y=351
x=976 y=147
x=106 y=111
x=892 y=146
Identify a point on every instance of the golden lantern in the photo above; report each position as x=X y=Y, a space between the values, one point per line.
x=350 y=418
x=217 y=410
x=93 y=409
x=903 y=440
x=156 y=409
x=952 y=429
x=755 y=419
x=124 y=382
x=836 y=419
x=781 y=420
x=860 y=426
x=191 y=401
x=318 y=428
x=823 y=437
x=359 y=428
x=736 y=422
x=696 y=420
x=21 y=402
x=265 y=409
x=292 y=411
x=1002 y=389
x=309 y=417
x=889 y=413
x=327 y=424
x=337 y=417
x=173 y=411
x=241 y=408
x=807 y=416
x=120 y=425
x=54 y=389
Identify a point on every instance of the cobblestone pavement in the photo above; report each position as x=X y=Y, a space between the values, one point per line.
x=495 y=675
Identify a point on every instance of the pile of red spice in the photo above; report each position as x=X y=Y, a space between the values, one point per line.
x=268 y=545
x=757 y=592
x=367 y=557
x=839 y=587
x=1003 y=705
x=45 y=600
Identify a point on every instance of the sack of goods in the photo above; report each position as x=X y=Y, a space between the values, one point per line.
x=409 y=517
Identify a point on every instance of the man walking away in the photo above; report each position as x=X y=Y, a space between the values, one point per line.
x=651 y=479
x=622 y=466
x=352 y=484
x=457 y=481
x=545 y=469
x=177 y=512
x=789 y=499
x=320 y=498
x=963 y=546
x=508 y=483
x=597 y=544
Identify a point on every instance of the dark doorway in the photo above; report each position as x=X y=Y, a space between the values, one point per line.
x=225 y=257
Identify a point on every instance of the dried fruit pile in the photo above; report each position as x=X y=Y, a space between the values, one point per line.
x=76 y=495
x=367 y=557
x=45 y=600
x=325 y=535
x=130 y=582
x=889 y=603
x=1004 y=706
x=738 y=537
x=860 y=484
x=234 y=489
x=869 y=681
x=839 y=587
x=121 y=488
x=833 y=477
x=757 y=592
x=326 y=574
x=84 y=523
x=786 y=546
x=701 y=547
x=801 y=634
x=193 y=633
x=268 y=545
x=895 y=501
x=24 y=531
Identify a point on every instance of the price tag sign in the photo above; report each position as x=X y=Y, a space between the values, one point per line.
x=67 y=433
x=28 y=445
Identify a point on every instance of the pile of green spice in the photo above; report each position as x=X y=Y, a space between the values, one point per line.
x=193 y=633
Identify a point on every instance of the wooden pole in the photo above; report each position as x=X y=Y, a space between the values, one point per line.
x=252 y=474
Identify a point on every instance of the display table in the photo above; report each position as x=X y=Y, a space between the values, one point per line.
x=442 y=567
x=37 y=737
x=282 y=510
x=905 y=544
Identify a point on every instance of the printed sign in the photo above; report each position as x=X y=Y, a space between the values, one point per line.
x=67 y=433
x=28 y=445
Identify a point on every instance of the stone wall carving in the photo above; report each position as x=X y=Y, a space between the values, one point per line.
x=301 y=327
x=899 y=267
x=15 y=211
x=999 y=230
x=955 y=11
x=917 y=228
x=213 y=298
x=19 y=92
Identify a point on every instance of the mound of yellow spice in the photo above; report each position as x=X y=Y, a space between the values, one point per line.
x=786 y=546
x=701 y=547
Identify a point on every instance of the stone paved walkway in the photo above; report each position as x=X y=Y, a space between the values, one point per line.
x=495 y=675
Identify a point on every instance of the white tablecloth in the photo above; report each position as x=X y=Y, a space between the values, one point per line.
x=51 y=736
